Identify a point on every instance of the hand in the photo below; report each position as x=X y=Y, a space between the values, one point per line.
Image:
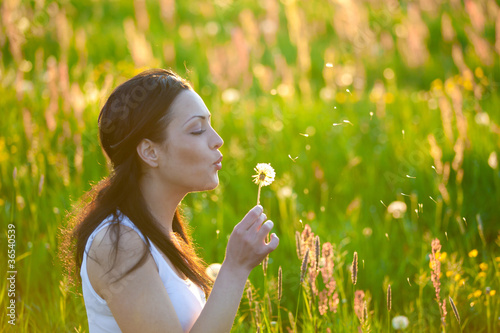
x=247 y=245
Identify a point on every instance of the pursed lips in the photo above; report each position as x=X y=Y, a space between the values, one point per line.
x=219 y=160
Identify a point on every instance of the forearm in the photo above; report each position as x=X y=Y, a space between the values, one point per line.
x=222 y=305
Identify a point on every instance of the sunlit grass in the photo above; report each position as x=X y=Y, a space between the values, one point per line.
x=382 y=140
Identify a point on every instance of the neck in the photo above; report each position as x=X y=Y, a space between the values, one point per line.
x=160 y=200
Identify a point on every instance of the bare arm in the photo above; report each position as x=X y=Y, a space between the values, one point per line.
x=140 y=302
x=245 y=250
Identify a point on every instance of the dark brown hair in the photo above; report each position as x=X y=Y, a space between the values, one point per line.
x=137 y=109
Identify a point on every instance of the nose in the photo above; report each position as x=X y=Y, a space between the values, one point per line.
x=218 y=142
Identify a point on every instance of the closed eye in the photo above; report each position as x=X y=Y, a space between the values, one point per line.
x=198 y=132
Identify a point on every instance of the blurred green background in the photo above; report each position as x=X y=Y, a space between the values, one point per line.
x=381 y=119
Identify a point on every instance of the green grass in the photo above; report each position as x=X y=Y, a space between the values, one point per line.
x=337 y=179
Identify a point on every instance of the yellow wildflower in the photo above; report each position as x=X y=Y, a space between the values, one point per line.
x=441 y=256
x=478 y=293
x=479 y=72
x=449 y=273
x=481 y=274
x=493 y=292
x=457 y=277
x=473 y=253
x=483 y=266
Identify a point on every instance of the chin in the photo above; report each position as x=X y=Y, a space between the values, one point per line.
x=207 y=186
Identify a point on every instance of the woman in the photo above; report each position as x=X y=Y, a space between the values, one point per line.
x=138 y=269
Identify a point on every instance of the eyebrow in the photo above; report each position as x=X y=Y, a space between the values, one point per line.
x=198 y=116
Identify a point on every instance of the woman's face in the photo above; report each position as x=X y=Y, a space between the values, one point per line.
x=190 y=157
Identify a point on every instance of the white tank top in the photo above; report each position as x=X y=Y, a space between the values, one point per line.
x=188 y=299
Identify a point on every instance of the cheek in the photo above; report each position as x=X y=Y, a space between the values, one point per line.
x=188 y=156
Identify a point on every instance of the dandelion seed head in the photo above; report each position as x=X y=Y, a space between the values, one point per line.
x=265 y=174
x=329 y=65
x=400 y=322
x=213 y=270
x=397 y=209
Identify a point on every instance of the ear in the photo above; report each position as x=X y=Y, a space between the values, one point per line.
x=147 y=151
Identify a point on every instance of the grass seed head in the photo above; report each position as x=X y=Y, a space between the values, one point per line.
x=317 y=250
x=303 y=268
x=280 y=290
x=455 y=311
x=389 y=298
x=354 y=271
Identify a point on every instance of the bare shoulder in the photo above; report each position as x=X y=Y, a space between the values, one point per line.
x=139 y=301
x=104 y=268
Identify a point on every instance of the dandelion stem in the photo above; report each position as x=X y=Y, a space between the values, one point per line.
x=258 y=194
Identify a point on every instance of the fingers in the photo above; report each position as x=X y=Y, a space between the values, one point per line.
x=257 y=224
x=251 y=217
x=273 y=243
x=265 y=228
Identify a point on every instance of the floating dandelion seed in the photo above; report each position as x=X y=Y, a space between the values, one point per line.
x=432 y=166
x=293 y=159
x=408 y=176
x=306 y=135
x=348 y=91
x=345 y=121
x=387 y=235
x=383 y=203
x=217 y=232
x=465 y=221
x=403 y=131
x=329 y=65
x=335 y=107
x=432 y=199
x=265 y=176
x=406 y=195
x=371 y=115
x=408 y=279
x=446 y=234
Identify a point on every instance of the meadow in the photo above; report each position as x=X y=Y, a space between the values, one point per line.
x=380 y=118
